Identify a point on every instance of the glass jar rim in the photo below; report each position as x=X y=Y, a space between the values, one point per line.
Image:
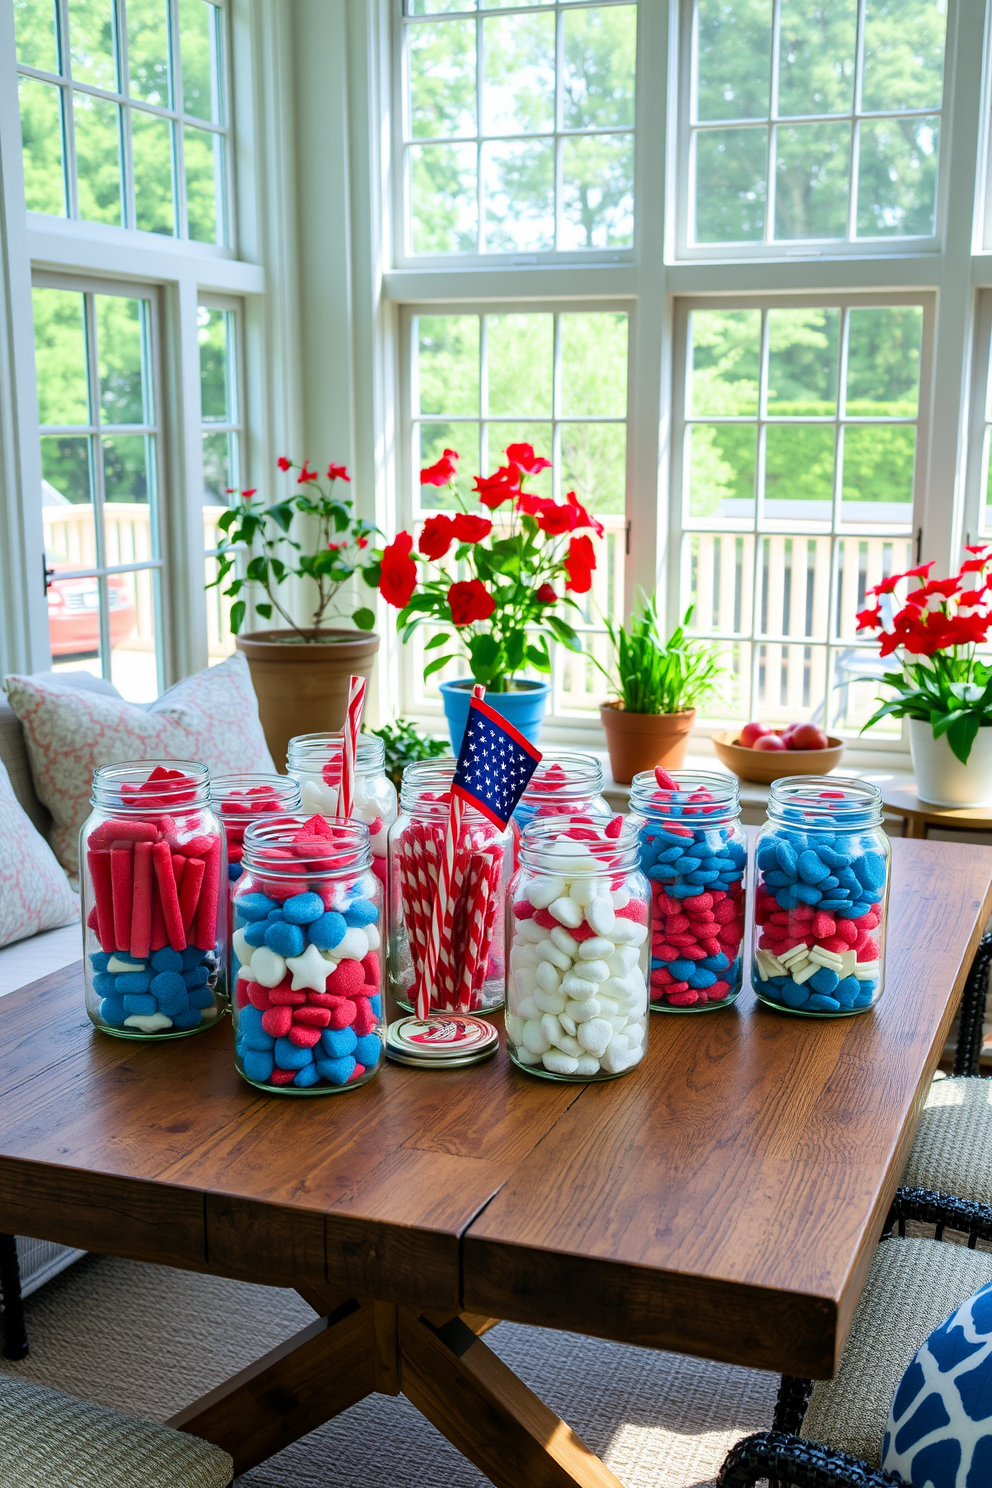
x=309 y=752
x=350 y=841
x=723 y=801
x=583 y=776
x=825 y=803
x=122 y=786
x=619 y=854
x=426 y=777
x=284 y=786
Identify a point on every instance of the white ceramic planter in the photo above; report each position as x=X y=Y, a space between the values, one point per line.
x=941 y=778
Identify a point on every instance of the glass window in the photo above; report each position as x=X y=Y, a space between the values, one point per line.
x=128 y=129
x=99 y=411
x=519 y=128
x=798 y=460
x=808 y=123
x=222 y=436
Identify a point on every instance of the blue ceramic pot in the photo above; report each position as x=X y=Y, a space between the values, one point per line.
x=524 y=707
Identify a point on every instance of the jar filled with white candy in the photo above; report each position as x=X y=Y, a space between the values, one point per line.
x=578 y=950
x=315 y=761
x=564 y=783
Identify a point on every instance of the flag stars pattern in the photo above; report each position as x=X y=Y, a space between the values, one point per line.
x=493 y=769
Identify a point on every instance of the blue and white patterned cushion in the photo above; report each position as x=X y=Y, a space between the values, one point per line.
x=939 y=1433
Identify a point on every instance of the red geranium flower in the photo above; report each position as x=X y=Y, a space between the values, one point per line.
x=435 y=539
x=247 y=495
x=920 y=572
x=467 y=527
x=283 y=463
x=579 y=565
x=868 y=619
x=887 y=586
x=583 y=518
x=546 y=595
x=306 y=474
x=338 y=472
x=533 y=506
x=469 y=601
x=362 y=542
x=398 y=577
x=556 y=520
x=493 y=490
x=442 y=471
x=523 y=456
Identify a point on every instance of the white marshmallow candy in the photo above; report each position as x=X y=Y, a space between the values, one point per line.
x=629 y=932
x=620 y=898
x=372 y=934
x=354 y=946
x=544 y=891
x=528 y=1009
x=601 y=915
x=267 y=967
x=595 y=1036
x=564 y=941
x=548 y=951
x=240 y=946
x=581 y=1012
x=567 y=1023
x=624 y=959
x=548 y=976
x=525 y=981
x=127 y=963
x=577 y=986
x=525 y=1056
x=550 y=1002
x=585 y=890
x=514 y=1027
x=596 y=949
x=148 y=1022
x=567 y=912
x=560 y=1064
x=594 y=971
x=587 y=1064
x=532 y=1037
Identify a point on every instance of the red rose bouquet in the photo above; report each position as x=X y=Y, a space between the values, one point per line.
x=937 y=627
x=521 y=565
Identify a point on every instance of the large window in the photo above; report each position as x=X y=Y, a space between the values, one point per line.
x=223 y=441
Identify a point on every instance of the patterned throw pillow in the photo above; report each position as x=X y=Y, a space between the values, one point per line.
x=940 y=1426
x=34 y=892
x=211 y=717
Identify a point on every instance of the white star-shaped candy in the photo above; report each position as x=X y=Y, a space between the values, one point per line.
x=309 y=970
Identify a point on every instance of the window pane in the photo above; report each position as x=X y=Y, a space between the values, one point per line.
x=218 y=475
x=126 y=458
x=119 y=328
x=811 y=181
x=437 y=7
x=799 y=472
x=594 y=364
x=986 y=511
x=733 y=58
x=594 y=465
x=816 y=56
x=220 y=641
x=520 y=356
x=897 y=177
x=803 y=347
x=853 y=695
x=216 y=336
x=434 y=439
x=597 y=192
x=883 y=361
x=92 y=43
x=720 y=461
x=151 y=139
x=878 y=473
x=41 y=141
x=791 y=680
x=148 y=50
x=519 y=92
x=444 y=206
x=98 y=159
x=448 y=364
x=795 y=585
x=132 y=600
x=67 y=501
x=74 y=624
x=197 y=44
x=725 y=353
x=60 y=356
x=202 y=182
x=520 y=196
x=538 y=435
x=730 y=185
x=718 y=580
x=442 y=78
x=904 y=54
x=35 y=29
x=598 y=76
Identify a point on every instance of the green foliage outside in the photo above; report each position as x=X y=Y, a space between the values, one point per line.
x=405 y=745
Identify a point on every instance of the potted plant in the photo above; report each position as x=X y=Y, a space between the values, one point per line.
x=499 y=617
x=658 y=686
x=405 y=745
x=299 y=672
x=941 y=687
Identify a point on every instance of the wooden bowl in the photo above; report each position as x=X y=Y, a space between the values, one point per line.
x=765 y=766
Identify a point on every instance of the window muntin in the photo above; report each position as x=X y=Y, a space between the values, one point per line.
x=124 y=113
x=518 y=127
x=222 y=438
x=99 y=412
x=798 y=457
x=812 y=122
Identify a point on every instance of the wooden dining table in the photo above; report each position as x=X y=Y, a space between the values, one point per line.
x=723 y=1200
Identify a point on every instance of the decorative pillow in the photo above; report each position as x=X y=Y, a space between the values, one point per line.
x=939 y=1433
x=34 y=892
x=211 y=717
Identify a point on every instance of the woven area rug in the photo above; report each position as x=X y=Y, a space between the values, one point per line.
x=150 y=1339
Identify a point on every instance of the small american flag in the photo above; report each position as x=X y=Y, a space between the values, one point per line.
x=494 y=765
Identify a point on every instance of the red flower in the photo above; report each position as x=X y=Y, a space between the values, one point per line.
x=470 y=600
x=467 y=527
x=493 y=490
x=435 y=539
x=398 y=577
x=868 y=619
x=442 y=471
x=546 y=595
x=556 y=520
x=533 y=506
x=306 y=474
x=971 y=597
x=887 y=586
x=973 y=565
x=338 y=472
x=920 y=572
x=523 y=456
x=362 y=542
x=579 y=565
x=283 y=463
x=584 y=519
x=944 y=587
x=230 y=491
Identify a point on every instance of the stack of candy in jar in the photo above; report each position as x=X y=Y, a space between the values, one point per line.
x=694 y=854
x=562 y=785
x=241 y=799
x=315 y=761
x=153 y=871
x=577 y=1000
x=308 y=995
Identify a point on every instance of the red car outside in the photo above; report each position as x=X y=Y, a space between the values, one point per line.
x=74 y=614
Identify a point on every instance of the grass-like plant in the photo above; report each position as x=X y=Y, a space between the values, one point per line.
x=652 y=675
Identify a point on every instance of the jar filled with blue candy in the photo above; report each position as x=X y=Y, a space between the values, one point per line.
x=307 y=918
x=694 y=854
x=565 y=783
x=820 y=897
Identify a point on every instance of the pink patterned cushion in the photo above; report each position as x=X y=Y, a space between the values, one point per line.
x=211 y=717
x=34 y=892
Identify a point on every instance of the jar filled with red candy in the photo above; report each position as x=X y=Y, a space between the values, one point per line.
x=306 y=956
x=242 y=800
x=564 y=783
x=154 y=901
x=694 y=854
x=315 y=761
x=471 y=972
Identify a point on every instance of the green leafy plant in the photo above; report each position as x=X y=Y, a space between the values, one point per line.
x=405 y=746
x=262 y=534
x=652 y=675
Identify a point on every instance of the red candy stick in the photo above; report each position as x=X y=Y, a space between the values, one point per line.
x=122 y=881
x=99 y=864
x=159 y=937
x=189 y=892
x=122 y=831
x=178 y=868
x=165 y=879
x=205 y=932
x=141 y=901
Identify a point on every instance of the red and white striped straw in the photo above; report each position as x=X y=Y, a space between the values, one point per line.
x=349 y=745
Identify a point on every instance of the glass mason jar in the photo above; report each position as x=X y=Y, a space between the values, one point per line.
x=315 y=761
x=471 y=973
x=307 y=915
x=694 y=852
x=820 y=897
x=578 y=950
x=242 y=800
x=153 y=868
x=563 y=784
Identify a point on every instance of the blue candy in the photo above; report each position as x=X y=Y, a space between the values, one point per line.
x=284 y=938
x=140 y=1002
x=192 y=1018
x=198 y=977
x=234 y=871
x=866 y=994
x=99 y=960
x=795 y=995
x=338 y=1071
x=328 y=931
x=824 y=981
x=249 y=1020
x=172 y=1002
x=105 y=984
x=254 y=906
x=811 y=870
x=168 y=984
x=275 y=914
x=375 y=1003
x=308 y=1075
x=702 y=978
x=807 y=893
x=200 y=997
x=682 y=970
x=338 y=1042
x=167 y=960
x=193 y=956
x=290 y=1056
x=821 y=1003
x=258 y=1065
x=255 y=932
x=360 y=912
x=303 y=909
x=786 y=857
x=132 y=981
x=719 y=962
x=367 y=1050
x=870 y=869
x=846 y=991
x=112 y=1011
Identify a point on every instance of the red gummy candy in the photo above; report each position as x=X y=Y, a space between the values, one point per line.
x=311 y=1017
x=847 y=931
x=258 y=996
x=277 y=1021
x=284 y=996
x=711 y=947
x=661 y=978
x=682 y=940
x=698 y=901
x=523 y=910
x=370 y=966
x=683 y=999
x=325 y=999
x=365 y=1019
x=718 y=991
x=694 y=953
x=824 y=925
x=665 y=780
x=869 y=951
x=282 y=1077
x=632 y=910
x=676 y=924
x=241 y=998
x=356 y=1074
x=347 y=980
x=343 y=1015
x=835 y=943
x=582 y=932
x=664 y=952
x=304 y=1038
x=545 y=919
x=676 y=988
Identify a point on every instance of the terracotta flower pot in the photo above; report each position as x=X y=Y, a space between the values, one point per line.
x=641 y=741
x=302 y=686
